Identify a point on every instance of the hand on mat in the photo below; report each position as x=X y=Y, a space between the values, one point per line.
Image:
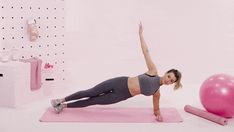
x=158 y=116
x=140 y=28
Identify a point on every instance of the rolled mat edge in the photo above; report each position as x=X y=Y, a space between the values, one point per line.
x=206 y=115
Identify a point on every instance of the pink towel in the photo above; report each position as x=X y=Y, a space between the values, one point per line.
x=35 y=72
x=111 y=115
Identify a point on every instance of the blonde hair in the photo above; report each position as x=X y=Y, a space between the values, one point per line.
x=178 y=76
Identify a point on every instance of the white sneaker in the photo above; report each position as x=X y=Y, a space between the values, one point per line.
x=58 y=108
x=55 y=102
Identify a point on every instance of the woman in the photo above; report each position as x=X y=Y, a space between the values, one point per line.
x=121 y=88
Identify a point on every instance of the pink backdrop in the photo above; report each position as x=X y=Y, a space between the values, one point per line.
x=194 y=36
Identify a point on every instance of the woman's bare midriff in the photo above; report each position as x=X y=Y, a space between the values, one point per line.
x=134 y=86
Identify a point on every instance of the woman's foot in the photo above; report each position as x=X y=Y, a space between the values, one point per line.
x=56 y=102
x=59 y=108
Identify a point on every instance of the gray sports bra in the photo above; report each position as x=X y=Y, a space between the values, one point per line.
x=149 y=84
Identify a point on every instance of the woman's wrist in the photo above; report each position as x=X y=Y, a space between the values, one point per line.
x=157 y=112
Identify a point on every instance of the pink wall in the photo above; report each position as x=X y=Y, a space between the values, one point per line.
x=196 y=37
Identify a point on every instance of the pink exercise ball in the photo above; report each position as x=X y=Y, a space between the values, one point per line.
x=217 y=95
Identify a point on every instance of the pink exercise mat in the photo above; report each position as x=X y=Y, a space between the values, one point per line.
x=111 y=115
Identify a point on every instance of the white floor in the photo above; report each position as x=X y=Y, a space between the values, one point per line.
x=26 y=118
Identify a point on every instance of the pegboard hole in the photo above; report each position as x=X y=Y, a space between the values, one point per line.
x=2 y=17
x=3 y=28
x=2 y=6
x=22 y=27
x=12 y=28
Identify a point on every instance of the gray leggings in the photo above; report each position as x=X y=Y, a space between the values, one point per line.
x=108 y=92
